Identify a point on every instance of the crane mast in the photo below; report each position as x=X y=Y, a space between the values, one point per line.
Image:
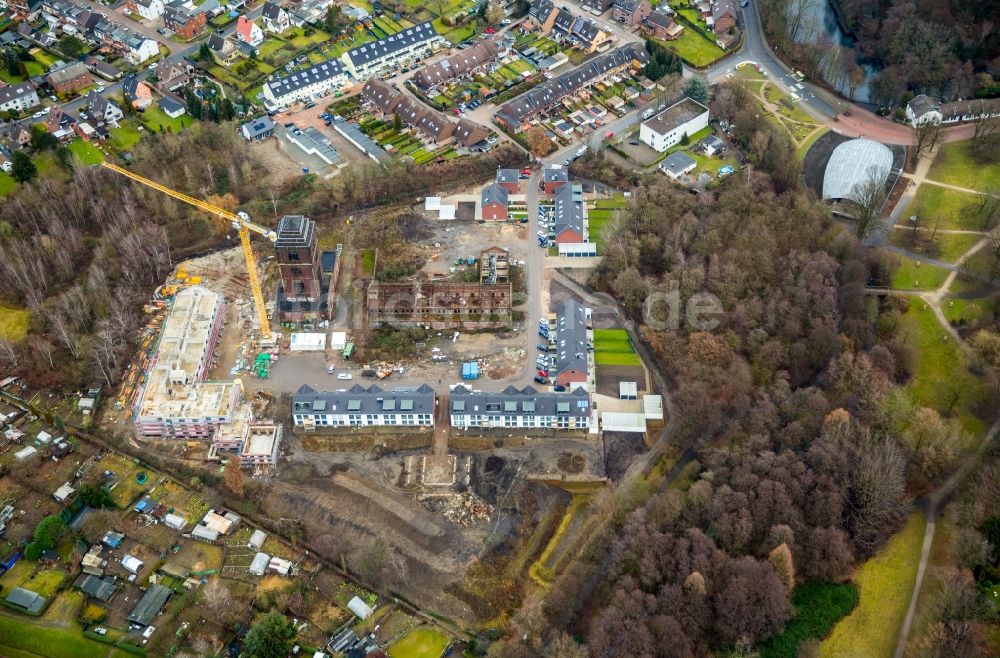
x=240 y=221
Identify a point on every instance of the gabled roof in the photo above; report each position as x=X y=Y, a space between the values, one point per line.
x=257 y=127
x=321 y=72
x=381 y=95
x=360 y=400
x=468 y=132
x=371 y=52
x=567 y=214
x=19 y=90
x=219 y=44
x=150 y=605
x=722 y=8
x=68 y=72
x=99 y=588
x=168 y=104
x=272 y=11
x=26 y=600
x=494 y=193
x=435 y=125
x=922 y=104
x=130 y=86
x=520 y=402
x=458 y=64
x=555 y=174
x=571 y=337
x=508 y=176
x=410 y=110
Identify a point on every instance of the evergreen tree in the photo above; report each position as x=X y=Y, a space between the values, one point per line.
x=22 y=168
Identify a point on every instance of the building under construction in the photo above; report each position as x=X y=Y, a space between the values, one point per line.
x=494 y=265
x=176 y=401
x=308 y=278
x=441 y=305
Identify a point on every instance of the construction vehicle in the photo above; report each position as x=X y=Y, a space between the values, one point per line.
x=240 y=221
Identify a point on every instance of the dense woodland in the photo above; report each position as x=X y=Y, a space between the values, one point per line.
x=946 y=48
x=82 y=248
x=809 y=450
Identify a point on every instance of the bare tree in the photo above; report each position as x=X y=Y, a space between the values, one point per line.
x=985 y=138
x=875 y=500
x=868 y=197
x=799 y=22
x=926 y=136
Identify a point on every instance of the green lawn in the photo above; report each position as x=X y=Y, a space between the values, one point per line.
x=954 y=165
x=19 y=634
x=270 y=47
x=933 y=202
x=941 y=376
x=913 y=275
x=693 y=48
x=34 y=68
x=156 y=120
x=818 y=606
x=302 y=41
x=598 y=219
x=7 y=184
x=423 y=642
x=774 y=95
x=966 y=311
x=42 y=57
x=125 y=137
x=454 y=36
x=806 y=145
x=86 y=152
x=947 y=247
x=612 y=347
x=618 y=201
x=886 y=582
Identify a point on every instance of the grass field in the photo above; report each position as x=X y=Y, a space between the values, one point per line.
x=598 y=219
x=156 y=119
x=125 y=137
x=693 y=48
x=612 y=347
x=940 y=371
x=86 y=152
x=14 y=322
x=933 y=202
x=7 y=184
x=914 y=275
x=423 y=642
x=954 y=165
x=947 y=247
x=967 y=311
x=818 y=606
x=806 y=145
x=18 y=634
x=886 y=582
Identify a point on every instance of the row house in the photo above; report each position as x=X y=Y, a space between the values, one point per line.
x=469 y=133
x=513 y=407
x=463 y=63
x=582 y=32
x=574 y=343
x=392 y=52
x=302 y=86
x=517 y=114
x=150 y=10
x=432 y=125
x=569 y=216
x=363 y=407
x=21 y=97
x=93 y=27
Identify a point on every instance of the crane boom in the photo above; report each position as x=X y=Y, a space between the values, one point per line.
x=240 y=221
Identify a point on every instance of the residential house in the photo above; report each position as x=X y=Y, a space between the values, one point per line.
x=393 y=52
x=924 y=109
x=597 y=7
x=171 y=77
x=187 y=23
x=137 y=92
x=435 y=127
x=171 y=107
x=18 y=135
x=517 y=113
x=469 y=133
x=410 y=110
x=713 y=145
x=677 y=164
x=275 y=18
x=569 y=216
x=554 y=176
x=463 y=63
x=148 y=9
x=223 y=51
x=381 y=96
x=59 y=122
x=102 y=68
x=249 y=32
x=685 y=117
x=660 y=24
x=542 y=16
x=362 y=407
x=258 y=129
x=723 y=15
x=582 y=32
x=24 y=10
x=314 y=82
x=494 y=202
x=509 y=179
x=631 y=12
x=574 y=340
x=20 y=97
x=70 y=78
x=103 y=109
x=513 y=407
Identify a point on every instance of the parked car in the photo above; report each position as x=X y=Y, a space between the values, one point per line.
x=567 y=162
x=330 y=369
x=100 y=630
x=542 y=234
x=506 y=21
x=543 y=373
x=543 y=347
x=344 y=375
x=289 y=125
x=633 y=142
x=558 y=388
x=540 y=380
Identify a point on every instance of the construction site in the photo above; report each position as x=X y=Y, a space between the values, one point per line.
x=439 y=305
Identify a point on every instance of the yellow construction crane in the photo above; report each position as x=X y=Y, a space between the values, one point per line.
x=240 y=221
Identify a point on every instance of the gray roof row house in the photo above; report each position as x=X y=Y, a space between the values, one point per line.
x=381 y=95
x=571 y=338
x=315 y=74
x=411 y=112
x=361 y=400
x=468 y=133
x=576 y=28
x=457 y=65
x=568 y=212
x=494 y=193
x=552 y=91
x=520 y=402
x=371 y=52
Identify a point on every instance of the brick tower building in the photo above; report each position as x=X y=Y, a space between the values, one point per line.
x=308 y=278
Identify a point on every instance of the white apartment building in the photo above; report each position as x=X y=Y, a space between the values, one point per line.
x=685 y=117
x=393 y=52
x=302 y=86
x=363 y=407
x=21 y=97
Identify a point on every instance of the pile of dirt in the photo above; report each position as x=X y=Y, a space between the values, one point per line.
x=467 y=509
